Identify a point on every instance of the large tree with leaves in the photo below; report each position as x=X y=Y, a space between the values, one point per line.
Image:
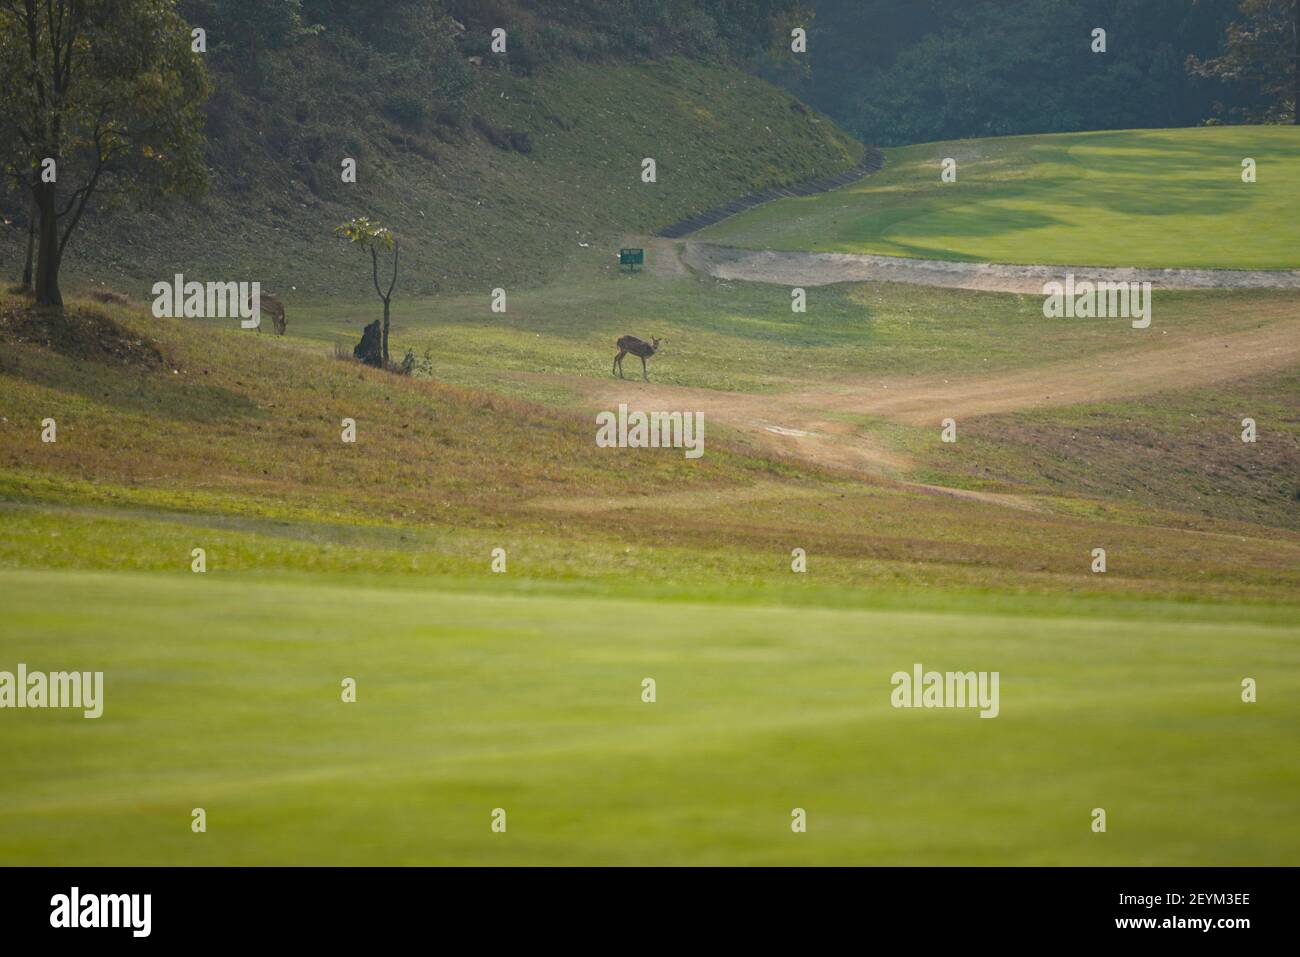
x=1261 y=51
x=102 y=101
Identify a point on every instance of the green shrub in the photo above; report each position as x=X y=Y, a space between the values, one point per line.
x=418 y=367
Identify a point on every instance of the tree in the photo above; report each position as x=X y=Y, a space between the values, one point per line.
x=1261 y=50
x=373 y=237
x=102 y=99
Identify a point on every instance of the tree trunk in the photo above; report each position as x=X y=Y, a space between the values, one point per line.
x=47 y=249
x=385 y=333
x=31 y=245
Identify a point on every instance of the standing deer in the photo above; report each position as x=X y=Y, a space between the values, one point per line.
x=275 y=308
x=638 y=347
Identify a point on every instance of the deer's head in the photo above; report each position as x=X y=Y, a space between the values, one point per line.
x=654 y=345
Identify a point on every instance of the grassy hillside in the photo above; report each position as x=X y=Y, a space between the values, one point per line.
x=1133 y=198
x=556 y=194
x=227 y=426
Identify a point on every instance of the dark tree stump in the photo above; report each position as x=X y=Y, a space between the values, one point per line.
x=370 y=349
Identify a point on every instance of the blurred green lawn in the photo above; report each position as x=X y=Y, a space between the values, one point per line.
x=223 y=692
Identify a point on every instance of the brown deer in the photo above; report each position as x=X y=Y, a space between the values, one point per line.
x=275 y=308
x=638 y=347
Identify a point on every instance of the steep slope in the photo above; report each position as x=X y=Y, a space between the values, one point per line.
x=545 y=173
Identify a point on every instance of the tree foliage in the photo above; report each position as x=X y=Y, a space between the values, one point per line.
x=102 y=101
x=1260 y=53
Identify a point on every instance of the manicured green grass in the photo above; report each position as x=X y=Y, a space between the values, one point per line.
x=1129 y=198
x=224 y=693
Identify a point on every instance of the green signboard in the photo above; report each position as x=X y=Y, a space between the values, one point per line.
x=631 y=258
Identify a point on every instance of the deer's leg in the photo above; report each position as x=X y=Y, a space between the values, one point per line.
x=643 y=372
x=618 y=364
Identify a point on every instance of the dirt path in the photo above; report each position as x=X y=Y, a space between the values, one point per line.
x=1206 y=359
x=820 y=269
x=661 y=258
x=664 y=261
x=810 y=424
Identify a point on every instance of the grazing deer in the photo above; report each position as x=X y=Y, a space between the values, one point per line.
x=638 y=347
x=275 y=308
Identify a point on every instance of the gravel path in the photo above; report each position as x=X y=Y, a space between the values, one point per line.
x=820 y=269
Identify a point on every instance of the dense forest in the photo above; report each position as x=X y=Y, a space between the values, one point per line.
x=923 y=70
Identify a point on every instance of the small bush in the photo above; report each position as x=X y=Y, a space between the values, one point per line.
x=418 y=367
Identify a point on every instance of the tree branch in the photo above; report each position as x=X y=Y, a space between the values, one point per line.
x=85 y=191
x=88 y=187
